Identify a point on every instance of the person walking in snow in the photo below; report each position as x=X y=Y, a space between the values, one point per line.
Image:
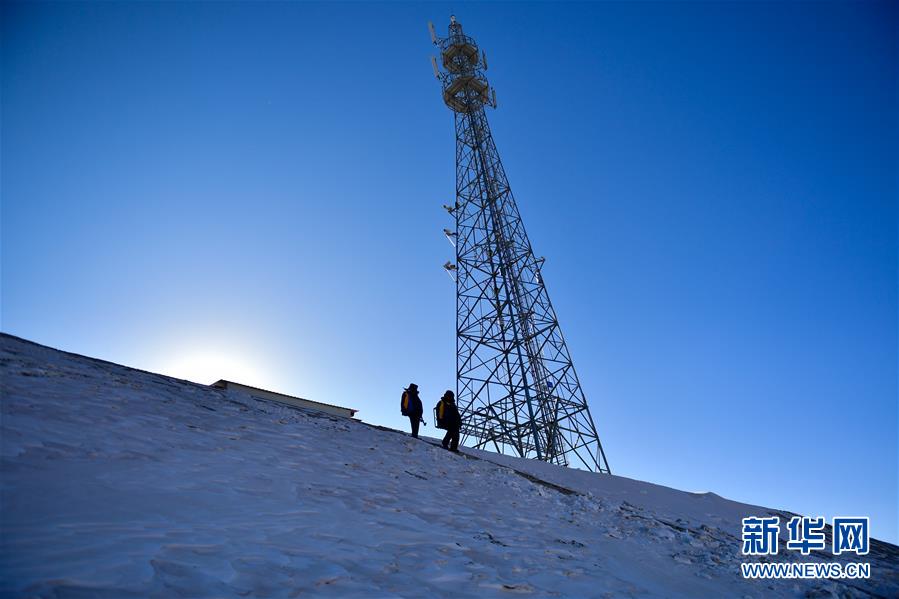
x=448 y=417
x=411 y=406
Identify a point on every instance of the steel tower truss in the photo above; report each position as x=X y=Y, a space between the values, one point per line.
x=516 y=385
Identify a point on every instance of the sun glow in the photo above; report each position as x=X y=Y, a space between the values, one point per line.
x=206 y=366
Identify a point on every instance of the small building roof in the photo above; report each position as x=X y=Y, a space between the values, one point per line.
x=223 y=383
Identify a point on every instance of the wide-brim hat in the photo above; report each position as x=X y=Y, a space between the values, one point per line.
x=412 y=387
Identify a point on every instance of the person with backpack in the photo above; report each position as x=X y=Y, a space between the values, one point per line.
x=447 y=417
x=410 y=405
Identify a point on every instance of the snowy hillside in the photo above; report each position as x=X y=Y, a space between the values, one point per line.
x=119 y=483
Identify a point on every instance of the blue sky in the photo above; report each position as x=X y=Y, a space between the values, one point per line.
x=252 y=191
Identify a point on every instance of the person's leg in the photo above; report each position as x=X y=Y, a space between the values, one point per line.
x=455 y=440
x=414 y=421
x=447 y=437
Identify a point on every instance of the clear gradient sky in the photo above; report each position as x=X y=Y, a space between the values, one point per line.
x=252 y=191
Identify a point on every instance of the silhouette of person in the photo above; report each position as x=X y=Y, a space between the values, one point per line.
x=411 y=407
x=452 y=420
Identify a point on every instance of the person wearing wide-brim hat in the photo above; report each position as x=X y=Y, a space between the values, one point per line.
x=410 y=406
x=451 y=420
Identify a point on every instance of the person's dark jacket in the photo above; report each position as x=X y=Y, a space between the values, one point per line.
x=415 y=408
x=451 y=416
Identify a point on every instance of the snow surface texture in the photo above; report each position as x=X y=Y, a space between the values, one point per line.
x=120 y=483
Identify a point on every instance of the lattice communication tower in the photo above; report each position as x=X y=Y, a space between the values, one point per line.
x=516 y=385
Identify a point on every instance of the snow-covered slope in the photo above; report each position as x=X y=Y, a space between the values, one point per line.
x=118 y=483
